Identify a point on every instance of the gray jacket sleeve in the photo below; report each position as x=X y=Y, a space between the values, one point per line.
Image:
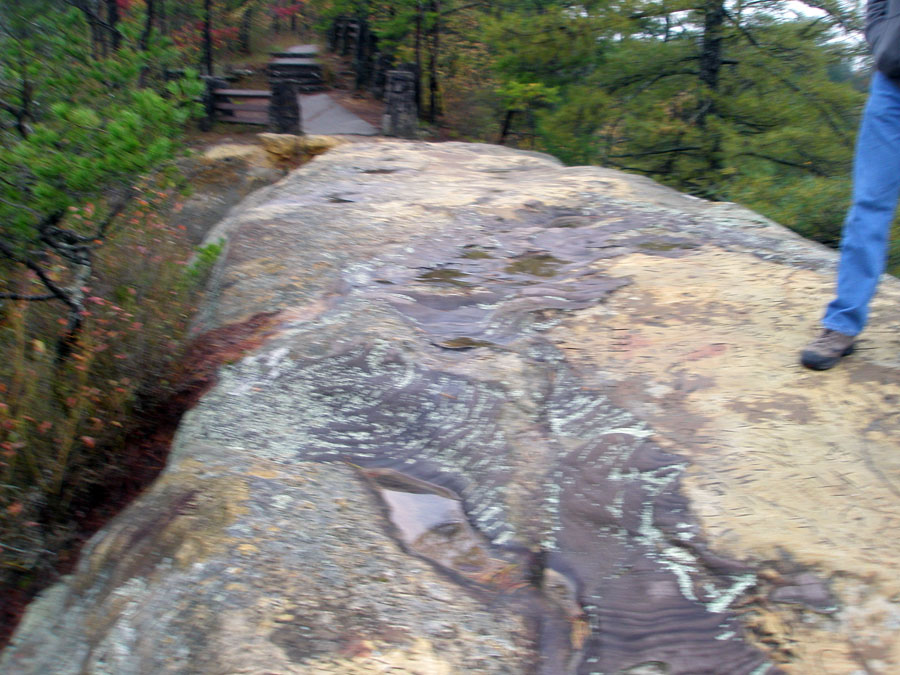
x=876 y=11
x=883 y=35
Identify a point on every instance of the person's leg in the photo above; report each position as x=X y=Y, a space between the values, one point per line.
x=876 y=185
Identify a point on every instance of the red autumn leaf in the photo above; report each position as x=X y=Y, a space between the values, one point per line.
x=88 y=441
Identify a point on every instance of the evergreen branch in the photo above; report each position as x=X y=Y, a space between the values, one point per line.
x=826 y=114
x=849 y=21
x=784 y=162
x=461 y=8
x=91 y=15
x=638 y=169
x=683 y=148
x=15 y=111
x=16 y=205
x=641 y=77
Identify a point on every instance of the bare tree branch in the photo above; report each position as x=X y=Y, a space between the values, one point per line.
x=55 y=289
x=30 y=298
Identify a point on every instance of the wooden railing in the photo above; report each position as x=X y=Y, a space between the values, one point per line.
x=290 y=73
x=242 y=106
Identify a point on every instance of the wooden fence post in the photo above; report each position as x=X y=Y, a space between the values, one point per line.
x=400 y=119
x=284 y=108
x=209 y=101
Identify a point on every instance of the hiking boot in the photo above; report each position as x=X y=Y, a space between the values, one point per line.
x=827 y=349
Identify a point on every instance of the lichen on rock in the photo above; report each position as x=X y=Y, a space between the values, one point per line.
x=584 y=381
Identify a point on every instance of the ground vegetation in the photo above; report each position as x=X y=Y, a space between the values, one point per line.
x=97 y=280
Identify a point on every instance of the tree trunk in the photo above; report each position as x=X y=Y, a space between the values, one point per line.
x=710 y=65
x=244 y=33
x=98 y=32
x=144 y=41
x=362 y=55
x=419 y=20
x=112 y=18
x=148 y=25
x=98 y=37
x=505 y=127
x=433 y=47
x=340 y=35
x=23 y=113
x=207 y=37
x=162 y=22
x=711 y=49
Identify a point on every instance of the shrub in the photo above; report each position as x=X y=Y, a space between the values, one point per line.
x=65 y=424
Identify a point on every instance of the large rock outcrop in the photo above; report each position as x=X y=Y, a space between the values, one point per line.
x=495 y=415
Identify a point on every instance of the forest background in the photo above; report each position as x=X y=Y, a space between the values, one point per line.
x=752 y=101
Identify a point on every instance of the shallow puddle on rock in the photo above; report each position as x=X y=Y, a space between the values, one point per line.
x=415 y=515
x=431 y=522
x=465 y=343
x=379 y=171
x=667 y=245
x=542 y=265
x=570 y=221
x=475 y=253
x=340 y=199
x=445 y=276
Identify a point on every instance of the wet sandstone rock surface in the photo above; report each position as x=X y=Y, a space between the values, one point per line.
x=503 y=416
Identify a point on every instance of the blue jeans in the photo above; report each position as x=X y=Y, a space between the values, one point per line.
x=876 y=186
